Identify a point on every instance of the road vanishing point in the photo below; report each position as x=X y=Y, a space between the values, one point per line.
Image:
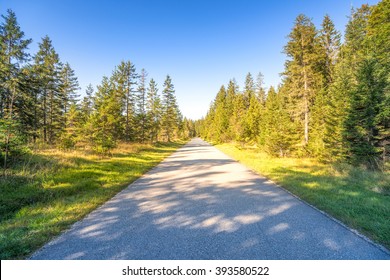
x=201 y=204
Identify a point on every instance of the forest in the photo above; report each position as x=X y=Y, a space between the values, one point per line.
x=334 y=100
x=40 y=104
x=323 y=133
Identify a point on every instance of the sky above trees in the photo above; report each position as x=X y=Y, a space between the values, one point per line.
x=201 y=44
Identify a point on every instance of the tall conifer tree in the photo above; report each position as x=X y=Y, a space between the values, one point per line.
x=329 y=40
x=125 y=80
x=13 y=54
x=153 y=109
x=69 y=87
x=170 y=112
x=301 y=70
x=48 y=68
x=141 y=107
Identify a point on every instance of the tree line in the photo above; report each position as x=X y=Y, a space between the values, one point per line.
x=40 y=102
x=333 y=102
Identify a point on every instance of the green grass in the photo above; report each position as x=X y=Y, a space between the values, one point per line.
x=358 y=197
x=50 y=190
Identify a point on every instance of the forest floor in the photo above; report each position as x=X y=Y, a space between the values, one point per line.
x=358 y=197
x=49 y=190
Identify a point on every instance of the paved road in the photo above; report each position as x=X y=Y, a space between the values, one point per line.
x=200 y=204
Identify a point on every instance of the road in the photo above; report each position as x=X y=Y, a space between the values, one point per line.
x=200 y=204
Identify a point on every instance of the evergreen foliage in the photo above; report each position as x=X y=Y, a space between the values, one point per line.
x=170 y=116
x=39 y=102
x=13 y=55
x=153 y=111
x=333 y=102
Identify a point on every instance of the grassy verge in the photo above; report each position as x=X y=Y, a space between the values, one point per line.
x=51 y=190
x=358 y=197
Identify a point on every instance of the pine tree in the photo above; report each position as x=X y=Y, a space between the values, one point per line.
x=237 y=121
x=260 y=91
x=344 y=83
x=188 y=130
x=27 y=105
x=255 y=106
x=12 y=54
x=367 y=124
x=253 y=119
x=220 y=116
x=257 y=115
x=377 y=40
x=86 y=107
x=249 y=91
x=125 y=81
x=361 y=129
x=231 y=92
x=277 y=125
x=355 y=34
x=47 y=65
x=71 y=133
x=104 y=127
x=68 y=89
x=302 y=71
x=170 y=112
x=153 y=109
x=141 y=116
x=329 y=40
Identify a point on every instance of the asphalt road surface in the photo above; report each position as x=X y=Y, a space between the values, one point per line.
x=201 y=204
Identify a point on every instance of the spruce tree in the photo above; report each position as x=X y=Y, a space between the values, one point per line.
x=13 y=54
x=249 y=91
x=125 y=80
x=220 y=116
x=344 y=83
x=27 y=104
x=86 y=106
x=260 y=91
x=277 y=125
x=69 y=87
x=329 y=41
x=47 y=65
x=105 y=125
x=153 y=109
x=170 y=118
x=141 y=117
x=301 y=71
x=252 y=118
x=72 y=131
x=257 y=115
x=378 y=43
x=231 y=92
x=237 y=120
x=355 y=36
x=361 y=129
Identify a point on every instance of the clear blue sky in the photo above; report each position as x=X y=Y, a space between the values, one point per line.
x=201 y=44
